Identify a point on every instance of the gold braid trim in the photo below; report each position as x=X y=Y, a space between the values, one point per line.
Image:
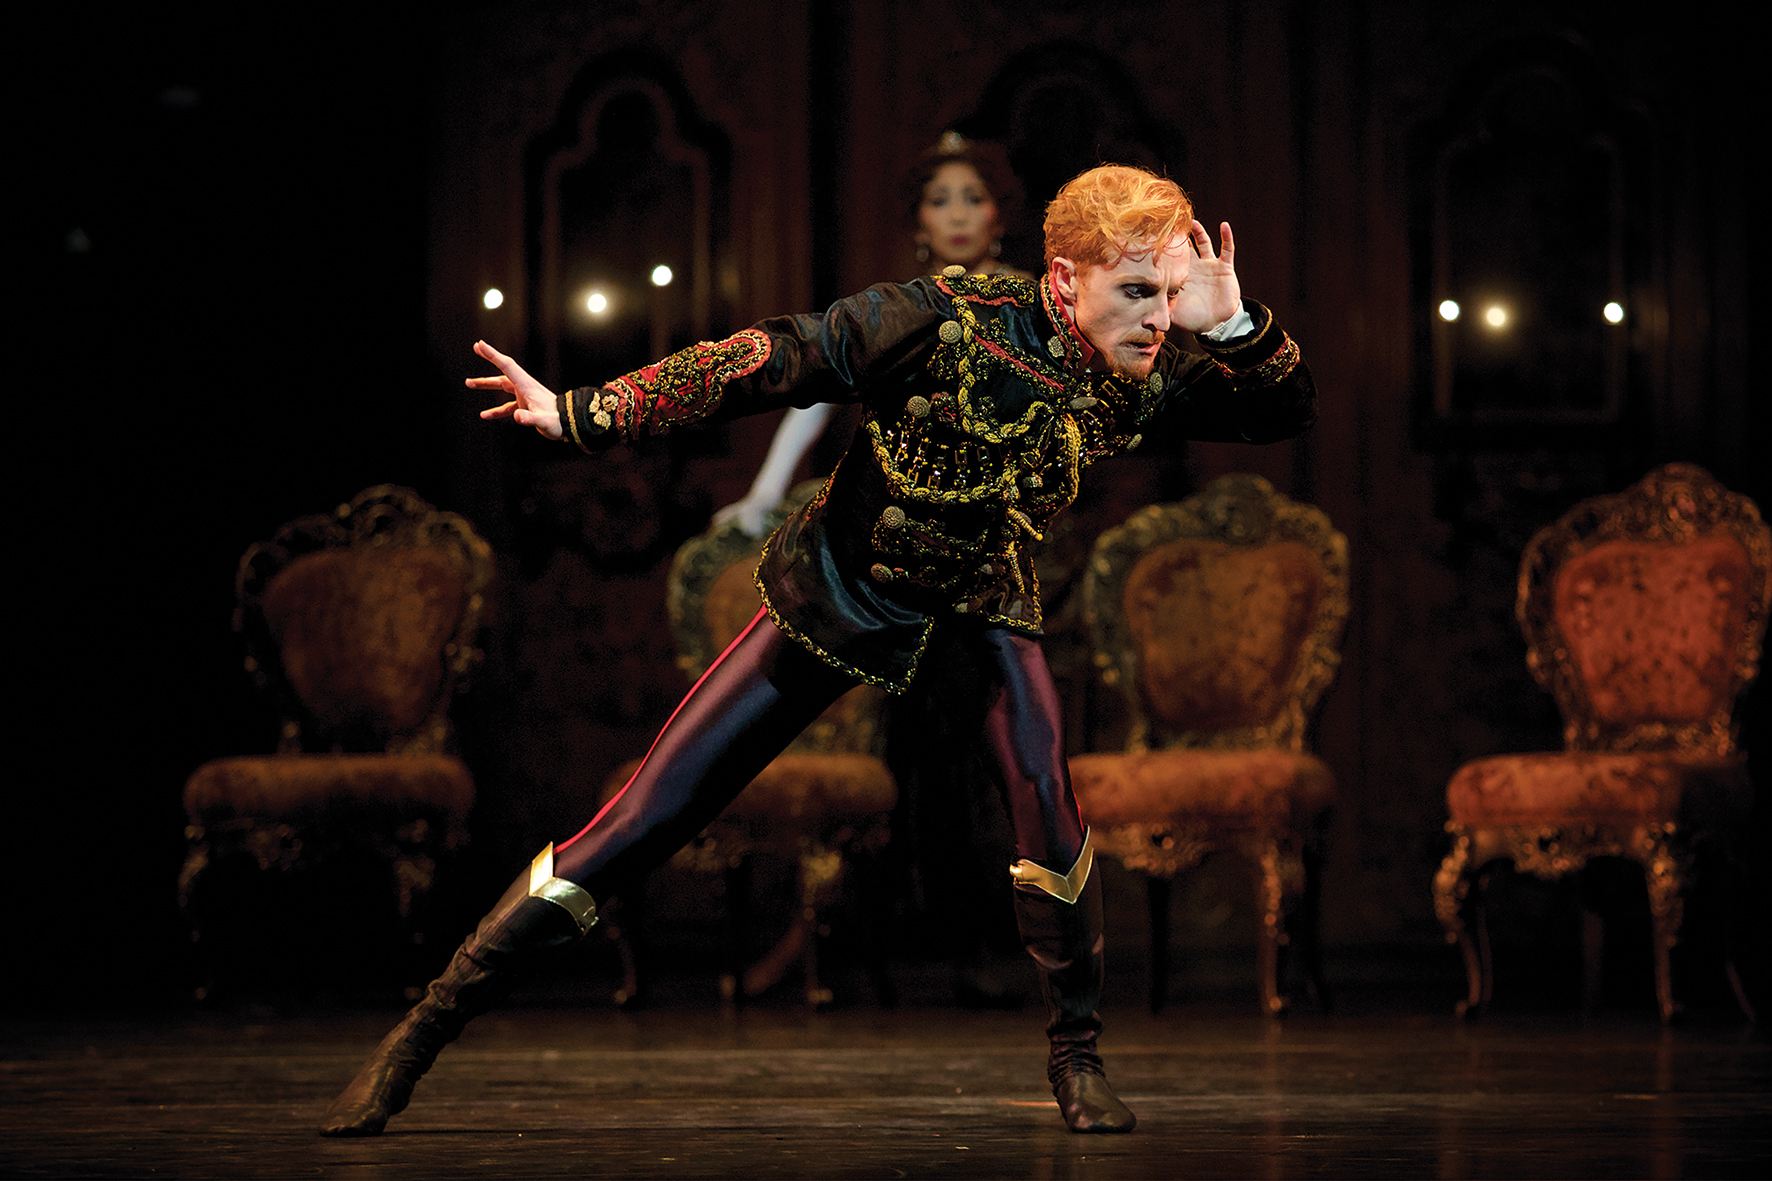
x=566 y=403
x=1276 y=367
x=825 y=657
x=686 y=386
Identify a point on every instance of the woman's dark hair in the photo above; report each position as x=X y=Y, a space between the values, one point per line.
x=989 y=160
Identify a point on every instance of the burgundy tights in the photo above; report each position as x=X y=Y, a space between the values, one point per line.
x=758 y=696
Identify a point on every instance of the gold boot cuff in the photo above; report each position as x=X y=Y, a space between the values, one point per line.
x=1066 y=887
x=566 y=895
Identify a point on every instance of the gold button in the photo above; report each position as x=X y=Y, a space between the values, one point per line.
x=881 y=572
x=1055 y=346
x=893 y=517
x=961 y=608
x=1032 y=480
x=1134 y=441
x=949 y=331
x=1084 y=403
x=953 y=272
x=917 y=407
x=1154 y=383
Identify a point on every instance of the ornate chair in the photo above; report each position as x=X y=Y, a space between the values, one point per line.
x=827 y=796
x=361 y=624
x=1218 y=619
x=1643 y=614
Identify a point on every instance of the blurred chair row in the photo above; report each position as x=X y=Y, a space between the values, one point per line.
x=1219 y=619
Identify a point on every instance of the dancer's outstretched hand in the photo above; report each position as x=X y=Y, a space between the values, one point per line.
x=532 y=403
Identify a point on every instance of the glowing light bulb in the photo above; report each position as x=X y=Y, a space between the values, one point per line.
x=1495 y=316
x=1614 y=313
x=661 y=275
x=1449 y=310
x=494 y=298
x=597 y=303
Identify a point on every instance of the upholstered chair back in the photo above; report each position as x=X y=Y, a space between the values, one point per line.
x=1218 y=629
x=361 y=622
x=1219 y=617
x=1644 y=613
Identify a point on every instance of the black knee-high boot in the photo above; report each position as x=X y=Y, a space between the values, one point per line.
x=1065 y=939
x=539 y=911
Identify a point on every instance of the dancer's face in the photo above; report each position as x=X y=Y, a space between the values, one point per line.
x=957 y=219
x=1125 y=309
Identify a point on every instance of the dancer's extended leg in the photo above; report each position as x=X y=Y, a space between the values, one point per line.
x=761 y=692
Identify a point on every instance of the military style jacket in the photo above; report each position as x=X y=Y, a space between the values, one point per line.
x=979 y=418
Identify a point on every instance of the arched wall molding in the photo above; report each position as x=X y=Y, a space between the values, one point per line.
x=1062 y=107
x=1529 y=196
x=562 y=166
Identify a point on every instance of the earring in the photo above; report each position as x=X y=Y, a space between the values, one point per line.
x=922 y=252
x=996 y=248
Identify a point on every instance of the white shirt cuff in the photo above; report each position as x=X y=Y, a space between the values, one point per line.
x=1238 y=325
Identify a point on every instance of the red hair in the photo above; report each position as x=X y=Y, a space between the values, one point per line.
x=1114 y=210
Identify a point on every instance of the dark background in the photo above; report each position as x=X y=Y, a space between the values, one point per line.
x=254 y=255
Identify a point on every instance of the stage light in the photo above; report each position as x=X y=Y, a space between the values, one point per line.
x=1614 y=313
x=1495 y=316
x=597 y=303
x=1449 y=310
x=661 y=276
x=494 y=298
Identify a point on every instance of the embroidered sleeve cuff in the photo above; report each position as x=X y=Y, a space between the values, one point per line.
x=588 y=416
x=1266 y=354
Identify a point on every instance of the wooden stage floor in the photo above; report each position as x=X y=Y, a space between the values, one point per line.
x=546 y=1090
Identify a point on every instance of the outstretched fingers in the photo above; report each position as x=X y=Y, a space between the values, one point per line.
x=528 y=402
x=1197 y=237
x=1227 y=245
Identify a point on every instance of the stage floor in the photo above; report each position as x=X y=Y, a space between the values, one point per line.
x=543 y=1091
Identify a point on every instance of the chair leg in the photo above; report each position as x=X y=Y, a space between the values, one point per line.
x=1157 y=893
x=738 y=923
x=1665 y=882
x=1454 y=896
x=624 y=925
x=1483 y=990
x=821 y=877
x=821 y=870
x=1305 y=929
x=1282 y=884
x=1593 y=954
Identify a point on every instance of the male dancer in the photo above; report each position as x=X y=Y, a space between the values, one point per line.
x=984 y=399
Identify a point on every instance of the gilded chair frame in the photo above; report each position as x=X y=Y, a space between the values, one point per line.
x=1241 y=510
x=290 y=840
x=1675 y=504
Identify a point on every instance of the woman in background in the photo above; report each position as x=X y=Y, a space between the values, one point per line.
x=958 y=198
